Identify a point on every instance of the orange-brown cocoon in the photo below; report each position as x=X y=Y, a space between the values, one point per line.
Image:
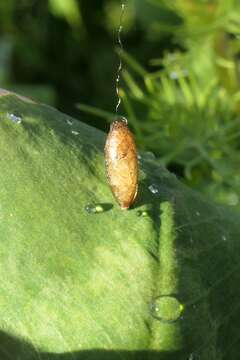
x=122 y=164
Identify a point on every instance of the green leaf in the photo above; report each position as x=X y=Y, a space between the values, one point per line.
x=67 y=9
x=82 y=279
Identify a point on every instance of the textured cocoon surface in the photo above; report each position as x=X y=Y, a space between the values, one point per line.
x=121 y=163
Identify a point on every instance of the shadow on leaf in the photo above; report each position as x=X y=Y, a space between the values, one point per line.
x=12 y=348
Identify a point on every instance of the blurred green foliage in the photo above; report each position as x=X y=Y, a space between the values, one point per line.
x=188 y=108
x=181 y=75
x=185 y=108
x=62 y=52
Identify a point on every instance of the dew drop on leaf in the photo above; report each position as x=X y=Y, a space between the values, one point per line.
x=166 y=308
x=153 y=188
x=94 y=208
x=69 y=122
x=15 y=117
x=224 y=238
x=198 y=213
x=142 y=213
x=75 y=132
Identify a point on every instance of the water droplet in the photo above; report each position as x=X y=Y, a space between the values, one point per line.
x=69 y=122
x=75 y=132
x=139 y=157
x=142 y=213
x=94 y=208
x=224 y=238
x=153 y=188
x=148 y=155
x=166 y=308
x=198 y=213
x=15 y=117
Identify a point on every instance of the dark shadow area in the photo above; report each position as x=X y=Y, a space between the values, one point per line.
x=116 y=355
x=164 y=185
x=12 y=348
x=106 y=206
x=143 y=195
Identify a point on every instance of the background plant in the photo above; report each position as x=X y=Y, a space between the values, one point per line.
x=186 y=109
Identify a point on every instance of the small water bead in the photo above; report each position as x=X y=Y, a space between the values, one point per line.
x=15 y=117
x=166 y=308
x=69 y=122
x=94 y=208
x=153 y=188
x=198 y=213
x=224 y=238
x=75 y=132
x=139 y=157
x=142 y=213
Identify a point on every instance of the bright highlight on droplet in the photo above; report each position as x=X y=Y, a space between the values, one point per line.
x=142 y=213
x=75 y=132
x=94 y=208
x=166 y=308
x=15 y=117
x=153 y=188
x=69 y=122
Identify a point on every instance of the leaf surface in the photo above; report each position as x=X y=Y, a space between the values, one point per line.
x=82 y=279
